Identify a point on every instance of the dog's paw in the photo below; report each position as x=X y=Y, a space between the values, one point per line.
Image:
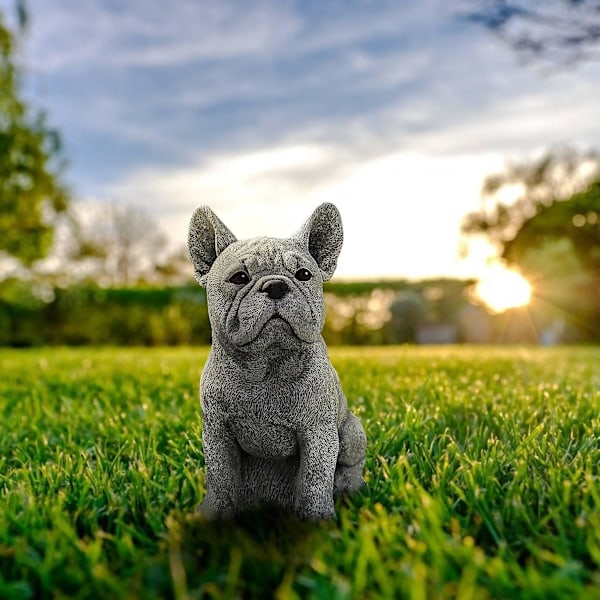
x=315 y=511
x=348 y=479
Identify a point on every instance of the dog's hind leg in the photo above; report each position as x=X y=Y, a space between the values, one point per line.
x=351 y=457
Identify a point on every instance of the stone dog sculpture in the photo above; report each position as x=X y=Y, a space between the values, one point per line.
x=276 y=427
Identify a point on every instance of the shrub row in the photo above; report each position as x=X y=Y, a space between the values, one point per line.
x=32 y=316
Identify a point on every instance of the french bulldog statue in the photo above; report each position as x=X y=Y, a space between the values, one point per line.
x=276 y=427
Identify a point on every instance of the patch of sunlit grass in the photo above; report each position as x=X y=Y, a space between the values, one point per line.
x=483 y=480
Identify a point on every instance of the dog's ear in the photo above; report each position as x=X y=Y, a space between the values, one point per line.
x=207 y=238
x=322 y=235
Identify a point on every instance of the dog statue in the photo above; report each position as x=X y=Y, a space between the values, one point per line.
x=276 y=427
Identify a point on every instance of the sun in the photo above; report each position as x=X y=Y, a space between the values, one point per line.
x=501 y=288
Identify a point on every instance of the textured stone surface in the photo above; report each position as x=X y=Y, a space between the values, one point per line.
x=276 y=426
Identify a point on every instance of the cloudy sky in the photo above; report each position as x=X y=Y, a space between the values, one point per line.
x=394 y=111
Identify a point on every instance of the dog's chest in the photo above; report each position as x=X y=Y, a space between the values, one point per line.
x=263 y=439
x=266 y=426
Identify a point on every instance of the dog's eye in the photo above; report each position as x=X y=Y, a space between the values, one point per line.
x=303 y=274
x=240 y=278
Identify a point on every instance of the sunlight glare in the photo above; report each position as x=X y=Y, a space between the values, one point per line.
x=501 y=288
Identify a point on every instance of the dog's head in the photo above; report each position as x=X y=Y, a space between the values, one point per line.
x=265 y=291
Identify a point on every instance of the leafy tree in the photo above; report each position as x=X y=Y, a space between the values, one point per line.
x=555 y=31
x=31 y=192
x=115 y=245
x=551 y=232
x=532 y=186
x=576 y=219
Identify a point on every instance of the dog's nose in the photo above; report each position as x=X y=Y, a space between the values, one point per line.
x=275 y=289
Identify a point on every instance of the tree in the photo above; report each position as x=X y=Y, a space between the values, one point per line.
x=551 y=232
x=115 y=245
x=31 y=164
x=532 y=186
x=554 y=31
x=576 y=219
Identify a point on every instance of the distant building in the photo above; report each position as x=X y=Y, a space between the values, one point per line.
x=553 y=332
x=475 y=325
x=437 y=333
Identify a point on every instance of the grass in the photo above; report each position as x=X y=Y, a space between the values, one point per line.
x=482 y=481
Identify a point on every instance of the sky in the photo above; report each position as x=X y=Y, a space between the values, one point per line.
x=393 y=111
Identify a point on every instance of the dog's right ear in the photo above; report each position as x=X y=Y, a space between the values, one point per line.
x=207 y=238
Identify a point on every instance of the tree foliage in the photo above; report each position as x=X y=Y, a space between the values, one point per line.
x=553 y=31
x=31 y=192
x=551 y=232
x=539 y=188
x=122 y=241
x=576 y=219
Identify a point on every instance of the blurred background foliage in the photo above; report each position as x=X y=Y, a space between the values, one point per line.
x=543 y=216
x=387 y=312
x=31 y=163
x=32 y=315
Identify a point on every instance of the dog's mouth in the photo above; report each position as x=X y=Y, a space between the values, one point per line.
x=275 y=323
x=277 y=317
x=277 y=320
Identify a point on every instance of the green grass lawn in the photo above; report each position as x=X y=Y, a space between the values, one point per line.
x=482 y=481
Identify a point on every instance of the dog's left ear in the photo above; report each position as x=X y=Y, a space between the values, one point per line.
x=322 y=235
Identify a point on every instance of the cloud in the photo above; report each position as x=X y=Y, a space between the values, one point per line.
x=142 y=33
x=242 y=187
x=168 y=83
x=395 y=111
x=401 y=211
x=222 y=75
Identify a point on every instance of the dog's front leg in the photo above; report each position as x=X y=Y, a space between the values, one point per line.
x=318 y=457
x=223 y=468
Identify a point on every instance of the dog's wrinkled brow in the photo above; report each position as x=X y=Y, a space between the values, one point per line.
x=268 y=255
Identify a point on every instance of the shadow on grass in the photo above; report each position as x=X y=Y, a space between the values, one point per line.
x=263 y=549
